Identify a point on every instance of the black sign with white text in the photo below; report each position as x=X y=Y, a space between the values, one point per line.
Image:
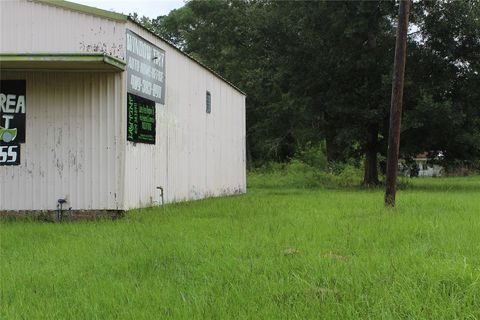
x=12 y=120
x=9 y=155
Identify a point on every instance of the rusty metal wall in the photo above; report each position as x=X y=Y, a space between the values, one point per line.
x=74 y=147
x=28 y=26
x=197 y=154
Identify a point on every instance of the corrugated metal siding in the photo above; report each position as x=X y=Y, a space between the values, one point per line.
x=73 y=147
x=76 y=140
x=197 y=154
x=27 y=26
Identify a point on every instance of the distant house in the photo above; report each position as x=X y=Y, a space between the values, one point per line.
x=422 y=165
x=426 y=169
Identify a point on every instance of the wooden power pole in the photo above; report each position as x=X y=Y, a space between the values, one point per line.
x=396 y=103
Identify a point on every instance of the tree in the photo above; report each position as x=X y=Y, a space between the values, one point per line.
x=322 y=70
x=443 y=98
x=349 y=47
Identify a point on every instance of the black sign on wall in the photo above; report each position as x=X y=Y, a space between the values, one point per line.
x=12 y=120
x=9 y=154
x=141 y=121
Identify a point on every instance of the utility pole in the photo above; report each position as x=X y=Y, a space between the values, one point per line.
x=396 y=103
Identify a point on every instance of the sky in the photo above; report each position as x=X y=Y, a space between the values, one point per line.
x=149 y=8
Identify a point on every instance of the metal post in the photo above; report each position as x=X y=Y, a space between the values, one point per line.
x=396 y=103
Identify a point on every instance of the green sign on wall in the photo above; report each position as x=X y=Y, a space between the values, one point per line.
x=140 y=119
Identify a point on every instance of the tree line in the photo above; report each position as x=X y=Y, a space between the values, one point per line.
x=320 y=72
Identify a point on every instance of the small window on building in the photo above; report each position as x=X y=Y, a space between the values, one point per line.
x=209 y=103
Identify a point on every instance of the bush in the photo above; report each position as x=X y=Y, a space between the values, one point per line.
x=314 y=156
x=349 y=176
x=295 y=174
x=298 y=174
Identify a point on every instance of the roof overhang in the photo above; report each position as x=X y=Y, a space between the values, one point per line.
x=84 y=9
x=88 y=61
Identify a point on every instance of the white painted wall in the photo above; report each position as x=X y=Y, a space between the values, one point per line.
x=29 y=26
x=76 y=123
x=197 y=154
x=73 y=147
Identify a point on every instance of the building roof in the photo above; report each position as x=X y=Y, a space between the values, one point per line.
x=85 y=9
x=61 y=61
x=124 y=18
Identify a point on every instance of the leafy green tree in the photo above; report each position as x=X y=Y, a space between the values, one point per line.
x=321 y=71
x=443 y=91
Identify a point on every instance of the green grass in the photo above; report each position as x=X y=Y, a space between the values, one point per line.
x=274 y=253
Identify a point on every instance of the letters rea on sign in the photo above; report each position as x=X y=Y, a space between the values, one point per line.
x=12 y=120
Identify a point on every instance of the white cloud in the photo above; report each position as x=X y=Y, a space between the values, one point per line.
x=149 y=8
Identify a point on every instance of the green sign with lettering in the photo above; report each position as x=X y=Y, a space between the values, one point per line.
x=140 y=119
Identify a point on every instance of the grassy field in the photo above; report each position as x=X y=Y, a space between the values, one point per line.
x=274 y=253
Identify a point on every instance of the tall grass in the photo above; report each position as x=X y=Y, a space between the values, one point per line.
x=276 y=252
x=298 y=174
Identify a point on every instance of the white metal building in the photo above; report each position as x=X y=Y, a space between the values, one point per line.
x=72 y=137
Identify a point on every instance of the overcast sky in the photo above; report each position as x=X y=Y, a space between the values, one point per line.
x=149 y=8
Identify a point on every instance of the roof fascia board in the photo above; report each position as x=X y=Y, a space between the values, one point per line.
x=85 y=9
x=58 y=56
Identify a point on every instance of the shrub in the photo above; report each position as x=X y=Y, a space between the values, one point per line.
x=298 y=174
x=314 y=156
